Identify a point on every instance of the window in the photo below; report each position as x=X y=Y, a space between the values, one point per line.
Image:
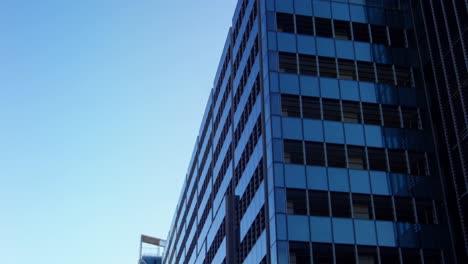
x=308 y=64
x=318 y=203
x=285 y=22
x=346 y=69
x=296 y=201
x=287 y=62
x=379 y=34
x=336 y=156
x=362 y=207
x=331 y=110
x=425 y=211
x=417 y=163
x=385 y=74
x=290 y=105
x=351 y=112
x=391 y=115
x=397 y=161
x=366 y=71
x=342 y=29
x=404 y=209
x=432 y=257
x=389 y=255
x=410 y=256
x=361 y=32
x=327 y=67
x=403 y=76
x=323 y=27
x=311 y=107
x=340 y=204
x=397 y=37
x=345 y=254
x=293 y=152
x=322 y=253
x=314 y=154
x=304 y=25
x=357 y=158
x=299 y=252
x=371 y=113
x=367 y=255
x=377 y=159
x=410 y=118
x=383 y=208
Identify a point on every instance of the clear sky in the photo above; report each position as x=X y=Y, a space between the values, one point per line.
x=100 y=105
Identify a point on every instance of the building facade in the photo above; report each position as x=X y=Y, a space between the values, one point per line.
x=318 y=143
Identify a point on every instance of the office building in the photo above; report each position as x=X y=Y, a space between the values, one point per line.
x=318 y=143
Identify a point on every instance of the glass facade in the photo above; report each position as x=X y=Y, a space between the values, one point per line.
x=317 y=143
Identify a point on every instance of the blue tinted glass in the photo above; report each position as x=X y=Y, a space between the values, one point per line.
x=333 y=132
x=277 y=150
x=368 y=92
x=407 y=96
x=294 y=176
x=289 y=83
x=322 y=9
x=349 y=90
x=272 y=41
x=286 y=42
x=274 y=84
x=358 y=13
x=280 y=200
x=406 y=235
x=283 y=255
x=399 y=183
x=359 y=181
x=306 y=44
x=354 y=134
x=275 y=103
x=270 y=4
x=338 y=179
x=309 y=86
x=284 y=6
x=344 y=49
x=387 y=94
x=393 y=137
x=374 y=136
x=376 y=16
x=281 y=233
x=320 y=229
x=276 y=125
x=271 y=22
x=325 y=47
x=329 y=88
x=381 y=54
x=298 y=227
x=365 y=232
x=292 y=128
x=363 y=51
x=343 y=230
x=313 y=130
x=273 y=61
x=386 y=233
x=303 y=7
x=379 y=182
x=340 y=11
x=279 y=175
x=317 y=178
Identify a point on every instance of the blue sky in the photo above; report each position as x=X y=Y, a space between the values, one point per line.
x=100 y=106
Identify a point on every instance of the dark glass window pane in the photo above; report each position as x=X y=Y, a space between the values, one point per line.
x=293 y=152
x=385 y=74
x=379 y=34
x=285 y=22
x=367 y=255
x=304 y=25
x=296 y=201
x=397 y=161
x=318 y=203
x=404 y=209
x=323 y=253
x=311 y=107
x=391 y=116
x=362 y=206
x=371 y=113
x=336 y=156
x=299 y=252
x=323 y=27
x=417 y=163
x=342 y=29
x=331 y=110
x=345 y=254
x=287 y=62
x=351 y=112
x=357 y=158
x=327 y=67
x=425 y=211
x=290 y=105
x=432 y=257
x=308 y=64
x=403 y=76
x=377 y=159
x=410 y=118
x=315 y=154
x=366 y=71
x=340 y=204
x=361 y=32
x=410 y=256
x=383 y=207
x=389 y=255
x=397 y=37
x=347 y=69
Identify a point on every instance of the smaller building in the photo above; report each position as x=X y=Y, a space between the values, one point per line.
x=151 y=250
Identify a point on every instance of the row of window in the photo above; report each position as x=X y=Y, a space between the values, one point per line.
x=345 y=69
x=355 y=157
x=349 y=111
x=300 y=252
x=360 y=206
x=347 y=30
x=245 y=38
